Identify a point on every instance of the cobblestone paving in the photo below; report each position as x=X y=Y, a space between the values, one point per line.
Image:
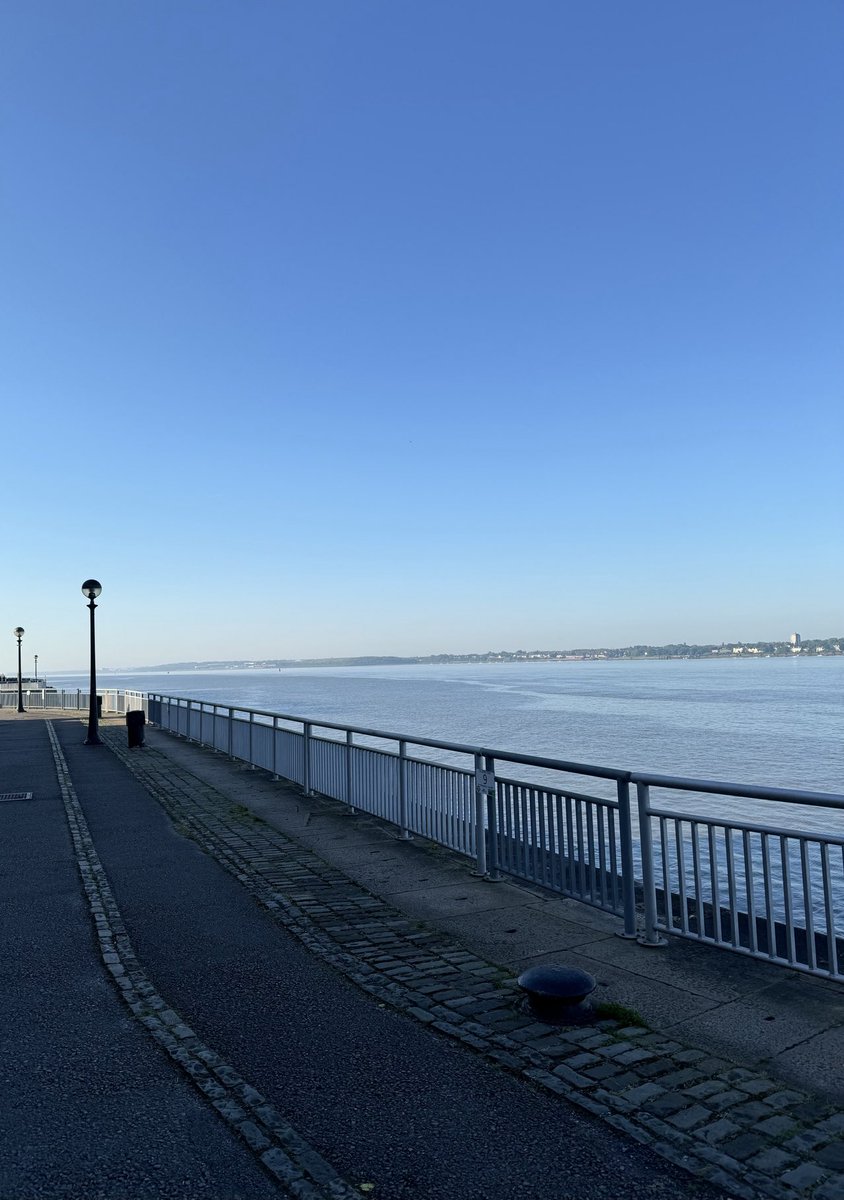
x=740 y=1130
x=299 y=1170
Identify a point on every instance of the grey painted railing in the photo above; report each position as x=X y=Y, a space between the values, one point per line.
x=115 y=701
x=761 y=888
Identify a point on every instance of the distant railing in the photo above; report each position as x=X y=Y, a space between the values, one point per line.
x=114 y=701
x=771 y=891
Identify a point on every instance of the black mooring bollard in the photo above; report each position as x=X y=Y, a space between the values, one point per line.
x=557 y=994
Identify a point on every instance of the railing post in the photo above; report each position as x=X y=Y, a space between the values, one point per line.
x=306 y=784
x=480 y=831
x=231 y=732
x=650 y=935
x=404 y=832
x=251 y=755
x=187 y=732
x=350 y=782
x=275 y=752
x=628 y=879
x=493 y=873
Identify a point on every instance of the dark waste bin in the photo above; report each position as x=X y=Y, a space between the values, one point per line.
x=135 y=721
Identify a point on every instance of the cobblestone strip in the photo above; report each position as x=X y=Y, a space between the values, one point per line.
x=300 y=1171
x=744 y=1132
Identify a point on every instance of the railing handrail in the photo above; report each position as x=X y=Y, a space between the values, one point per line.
x=745 y=791
x=677 y=783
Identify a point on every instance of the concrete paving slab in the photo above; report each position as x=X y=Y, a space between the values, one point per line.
x=444 y=899
x=817 y=1063
x=507 y=935
x=583 y=914
x=386 y=865
x=761 y=1027
x=702 y=970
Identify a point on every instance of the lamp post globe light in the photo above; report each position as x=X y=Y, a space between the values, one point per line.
x=92 y=588
x=18 y=632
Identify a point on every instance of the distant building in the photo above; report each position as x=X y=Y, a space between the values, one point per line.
x=795 y=639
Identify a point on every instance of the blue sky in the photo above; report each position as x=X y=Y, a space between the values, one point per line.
x=376 y=327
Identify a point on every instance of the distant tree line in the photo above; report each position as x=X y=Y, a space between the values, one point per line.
x=808 y=646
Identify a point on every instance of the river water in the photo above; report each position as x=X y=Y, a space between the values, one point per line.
x=776 y=722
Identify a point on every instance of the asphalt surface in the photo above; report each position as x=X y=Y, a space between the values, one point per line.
x=91 y=1108
x=384 y=1100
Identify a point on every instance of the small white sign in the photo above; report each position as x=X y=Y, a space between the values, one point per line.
x=485 y=780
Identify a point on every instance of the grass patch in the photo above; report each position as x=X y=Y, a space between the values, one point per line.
x=609 y=1010
x=242 y=812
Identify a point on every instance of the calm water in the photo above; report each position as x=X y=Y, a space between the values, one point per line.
x=777 y=722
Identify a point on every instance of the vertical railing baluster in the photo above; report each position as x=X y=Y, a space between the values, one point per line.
x=750 y=879
x=601 y=866
x=350 y=787
x=306 y=746
x=404 y=832
x=731 y=886
x=581 y=849
x=716 y=891
x=558 y=842
x=666 y=873
x=650 y=935
x=590 y=840
x=773 y=949
x=786 y=896
x=480 y=805
x=681 y=875
x=808 y=915
x=829 y=908
x=611 y=834
x=524 y=834
x=628 y=875
x=493 y=873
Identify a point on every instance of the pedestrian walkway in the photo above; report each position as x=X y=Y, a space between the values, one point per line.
x=372 y=1084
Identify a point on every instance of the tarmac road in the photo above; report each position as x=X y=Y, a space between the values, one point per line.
x=90 y=1107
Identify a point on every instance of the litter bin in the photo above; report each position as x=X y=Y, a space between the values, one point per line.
x=135 y=721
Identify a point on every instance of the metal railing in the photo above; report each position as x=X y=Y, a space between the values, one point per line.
x=114 y=700
x=771 y=891
x=768 y=890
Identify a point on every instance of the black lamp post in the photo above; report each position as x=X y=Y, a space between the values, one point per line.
x=18 y=633
x=92 y=588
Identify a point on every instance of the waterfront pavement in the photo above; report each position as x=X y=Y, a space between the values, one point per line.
x=215 y=986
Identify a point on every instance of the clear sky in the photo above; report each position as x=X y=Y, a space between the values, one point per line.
x=336 y=327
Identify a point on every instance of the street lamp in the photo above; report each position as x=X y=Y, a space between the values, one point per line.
x=92 y=588
x=36 y=670
x=18 y=633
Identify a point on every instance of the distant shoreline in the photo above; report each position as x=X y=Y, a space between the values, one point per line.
x=814 y=648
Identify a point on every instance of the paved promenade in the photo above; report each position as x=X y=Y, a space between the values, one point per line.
x=215 y=986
